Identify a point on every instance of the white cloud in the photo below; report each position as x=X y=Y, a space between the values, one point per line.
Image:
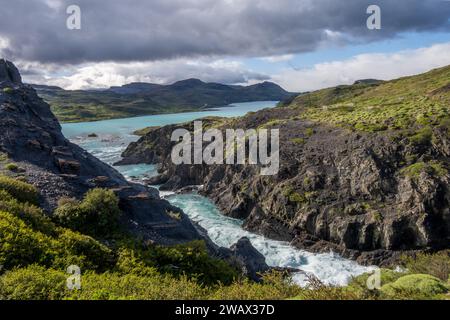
x=107 y=74
x=281 y=58
x=381 y=66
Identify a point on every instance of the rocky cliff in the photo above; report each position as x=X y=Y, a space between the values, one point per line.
x=369 y=188
x=31 y=137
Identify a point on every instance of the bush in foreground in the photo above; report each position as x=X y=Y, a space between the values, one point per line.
x=36 y=282
x=96 y=215
x=437 y=264
x=22 y=191
x=33 y=283
x=414 y=286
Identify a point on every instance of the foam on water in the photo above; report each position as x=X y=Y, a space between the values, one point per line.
x=113 y=136
x=224 y=231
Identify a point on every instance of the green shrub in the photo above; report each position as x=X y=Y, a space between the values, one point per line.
x=113 y=286
x=414 y=286
x=12 y=167
x=358 y=285
x=20 y=245
x=3 y=156
x=5 y=196
x=438 y=169
x=96 y=215
x=422 y=137
x=129 y=261
x=275 y=286
x=8 y=90
x=22 y=191
x=296 y=197
x=33 y=283
x=309 y=132
x=437 y=264
x=191 y=259
x=298 y=141
x=174 y=215
x=433 y=168
x=30 y=214
x=327 y=293
x=76 y=249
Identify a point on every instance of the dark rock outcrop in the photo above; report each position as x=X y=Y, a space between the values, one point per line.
x=355 y=193
x=9 y=72
x=253 y=263
x=31 y=136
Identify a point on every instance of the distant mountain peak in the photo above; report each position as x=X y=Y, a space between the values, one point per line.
x=192 y=82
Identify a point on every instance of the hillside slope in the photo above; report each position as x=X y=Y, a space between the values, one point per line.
x=364 y=169
x=31 y=140
x=399 y=104
x=139 y=99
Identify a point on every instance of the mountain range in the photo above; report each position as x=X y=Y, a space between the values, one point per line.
x=137 y=99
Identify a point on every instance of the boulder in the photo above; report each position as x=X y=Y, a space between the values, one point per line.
x=252 y=261
x=67 y=166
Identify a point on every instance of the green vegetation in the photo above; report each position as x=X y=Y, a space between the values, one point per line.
x=143 y=132
x=309 y=132
x=293 y=196
x=36 y=251
x=12 y=167
x=422 y=137
x=81 y=106
x=8 y=90
x=404 y=103
x=174 y=215
x=433 y=168
x=297 y=197
x=298 y=141
x=437 y=265
x=3 y=157
x=417 y=282
x=97 y=214
x=417 y=285
x=20 y=190
x=273 y=123
x=147 y=99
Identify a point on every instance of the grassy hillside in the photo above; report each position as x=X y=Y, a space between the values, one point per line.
x=139 y=99
x=80 y=106
x=399 y=104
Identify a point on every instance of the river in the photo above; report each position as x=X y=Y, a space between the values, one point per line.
x=112 y=138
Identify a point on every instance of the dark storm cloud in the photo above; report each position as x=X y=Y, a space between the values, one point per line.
x=141 y=30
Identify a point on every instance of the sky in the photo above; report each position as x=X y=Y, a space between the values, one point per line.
x=302 y=45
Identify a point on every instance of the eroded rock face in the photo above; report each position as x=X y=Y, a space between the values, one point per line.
x=9 y=72
x=31 y=136
x=350 y=192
